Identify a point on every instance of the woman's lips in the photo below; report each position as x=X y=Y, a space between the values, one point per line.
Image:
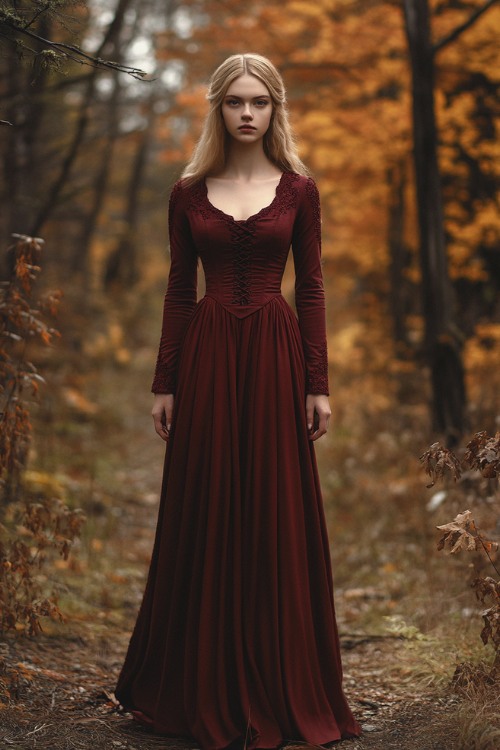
x=246 y=127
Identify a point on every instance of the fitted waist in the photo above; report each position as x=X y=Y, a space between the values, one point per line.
x=242 y=284
x=240 y=310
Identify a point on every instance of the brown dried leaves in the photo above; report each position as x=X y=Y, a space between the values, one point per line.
x=483 y=455
x=462 y=534
x=437 y=460
x=488 y=590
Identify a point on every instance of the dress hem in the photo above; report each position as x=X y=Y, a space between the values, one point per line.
x=239 y=742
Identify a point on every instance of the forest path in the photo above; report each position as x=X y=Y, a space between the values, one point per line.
x=55 y=690
x=61 y=686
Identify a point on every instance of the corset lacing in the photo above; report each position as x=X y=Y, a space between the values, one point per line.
x=243 y=235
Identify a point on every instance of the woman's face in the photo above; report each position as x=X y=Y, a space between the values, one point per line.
x=247 y=109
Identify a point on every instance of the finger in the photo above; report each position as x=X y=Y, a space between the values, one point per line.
x=323 y=420
x=309 y=415
x=168 y=415
x=161 y=430
x=159 y=423
x=315 y=435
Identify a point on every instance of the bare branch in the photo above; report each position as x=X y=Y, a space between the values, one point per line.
x=37 y=15
x=438 y=46
x=73 y=52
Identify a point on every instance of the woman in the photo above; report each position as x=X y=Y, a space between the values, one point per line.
x=236 y=641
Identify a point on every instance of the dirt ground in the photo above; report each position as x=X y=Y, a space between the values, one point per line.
x=61 y=698
x=60 y=684
x=56 y=691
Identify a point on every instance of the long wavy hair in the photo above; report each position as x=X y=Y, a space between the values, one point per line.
x=210 y=154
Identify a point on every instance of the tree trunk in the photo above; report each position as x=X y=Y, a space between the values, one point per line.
x=442 y=340
x=122 y=266
x=20 y=148
x=396 y=181
x=81 y=261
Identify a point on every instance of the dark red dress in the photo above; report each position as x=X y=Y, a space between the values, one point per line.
x=236 y=639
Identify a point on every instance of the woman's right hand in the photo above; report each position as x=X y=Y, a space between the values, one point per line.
x=163 y=407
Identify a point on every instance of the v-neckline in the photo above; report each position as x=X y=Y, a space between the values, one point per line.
x=254 y=216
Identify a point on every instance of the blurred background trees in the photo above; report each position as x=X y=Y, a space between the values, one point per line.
x=90 y=152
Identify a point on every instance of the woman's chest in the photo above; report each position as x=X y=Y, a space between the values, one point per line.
x=220 y=236
x=241 y=202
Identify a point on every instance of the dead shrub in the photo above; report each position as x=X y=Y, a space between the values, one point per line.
x=482 y=455
x=32 y=529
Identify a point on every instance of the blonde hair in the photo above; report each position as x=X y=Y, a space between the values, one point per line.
x=210 y=153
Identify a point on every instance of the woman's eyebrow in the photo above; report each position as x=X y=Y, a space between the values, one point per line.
x=236 y=96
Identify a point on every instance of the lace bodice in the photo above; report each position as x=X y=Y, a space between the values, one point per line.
x=244 y=261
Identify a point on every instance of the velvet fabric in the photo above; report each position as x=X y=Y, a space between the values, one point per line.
x=236 y=640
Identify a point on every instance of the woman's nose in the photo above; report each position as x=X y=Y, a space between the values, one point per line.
x=247 y=113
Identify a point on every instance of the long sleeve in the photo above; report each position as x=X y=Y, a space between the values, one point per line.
x=309 y=290
x=180 y=297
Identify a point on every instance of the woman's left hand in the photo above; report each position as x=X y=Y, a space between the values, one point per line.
x=318 y=414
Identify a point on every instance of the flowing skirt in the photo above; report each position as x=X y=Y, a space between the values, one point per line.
x=236 y=639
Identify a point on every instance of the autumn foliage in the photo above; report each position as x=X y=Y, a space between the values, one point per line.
x=32 y=528
x=19 y=324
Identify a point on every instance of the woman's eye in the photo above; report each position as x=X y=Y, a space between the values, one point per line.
x=232 y=102
x=261 y=102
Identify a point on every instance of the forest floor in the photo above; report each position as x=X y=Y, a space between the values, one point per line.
x=405 y=616
x=61 y=688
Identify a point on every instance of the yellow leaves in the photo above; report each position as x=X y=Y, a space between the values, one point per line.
x=317 y=118
x=347 y=339
x=106 y=342
x=475 y=49
x=482 y=353
x=41 y=483
x=78 y=401
x=472 y=270
x=488 y=332
x=461 y=107
x=305 y=8
x=486 y=217
x=462 y=248
x=326 y=157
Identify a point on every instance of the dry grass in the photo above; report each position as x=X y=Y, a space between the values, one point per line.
x=478 y=720
x=479 y=726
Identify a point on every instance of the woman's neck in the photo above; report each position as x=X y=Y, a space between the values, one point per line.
x=248 y=162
